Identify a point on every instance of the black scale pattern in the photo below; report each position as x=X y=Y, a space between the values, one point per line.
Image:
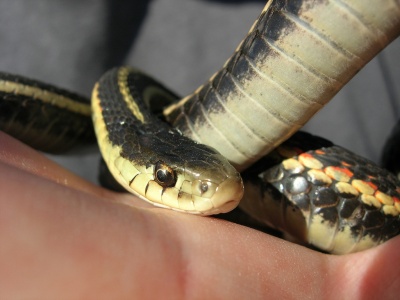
x=43 y=86
x=339 y=209
x=32 y=118
x=143 y=142
x=271 y=24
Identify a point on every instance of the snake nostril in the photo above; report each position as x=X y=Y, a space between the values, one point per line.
x=204 y=187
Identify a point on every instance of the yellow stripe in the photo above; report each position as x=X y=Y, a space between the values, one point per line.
x=45 y=96
x=124 y=89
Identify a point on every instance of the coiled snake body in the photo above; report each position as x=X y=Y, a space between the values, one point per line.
x=296 y=57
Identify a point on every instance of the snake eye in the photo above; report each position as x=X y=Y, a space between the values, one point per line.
x=164 y=175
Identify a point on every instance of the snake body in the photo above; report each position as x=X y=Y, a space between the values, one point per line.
x=48 y=118
x=324 y=195
x=295 y=58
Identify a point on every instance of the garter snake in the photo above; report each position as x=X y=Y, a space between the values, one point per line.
x=290 y=64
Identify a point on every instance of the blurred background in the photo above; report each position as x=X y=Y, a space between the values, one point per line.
x=70 y=43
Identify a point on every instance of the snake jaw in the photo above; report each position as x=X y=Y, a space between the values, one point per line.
x=227 y=195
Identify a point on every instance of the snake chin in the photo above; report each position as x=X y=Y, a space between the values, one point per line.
x=228 y=195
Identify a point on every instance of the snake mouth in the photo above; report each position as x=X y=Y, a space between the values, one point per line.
x=228 y=195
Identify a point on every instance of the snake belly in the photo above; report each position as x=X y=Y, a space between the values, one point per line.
x=295 y=58
x=152 y=160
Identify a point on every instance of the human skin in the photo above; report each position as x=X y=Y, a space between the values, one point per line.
x=65 y=238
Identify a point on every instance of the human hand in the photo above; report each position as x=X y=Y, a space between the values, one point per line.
x=64 y=238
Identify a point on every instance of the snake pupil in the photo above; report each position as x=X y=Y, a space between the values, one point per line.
x=164 y=175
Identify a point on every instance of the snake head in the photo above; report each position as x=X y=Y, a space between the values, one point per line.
x=203 y=184
x=211 y=186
